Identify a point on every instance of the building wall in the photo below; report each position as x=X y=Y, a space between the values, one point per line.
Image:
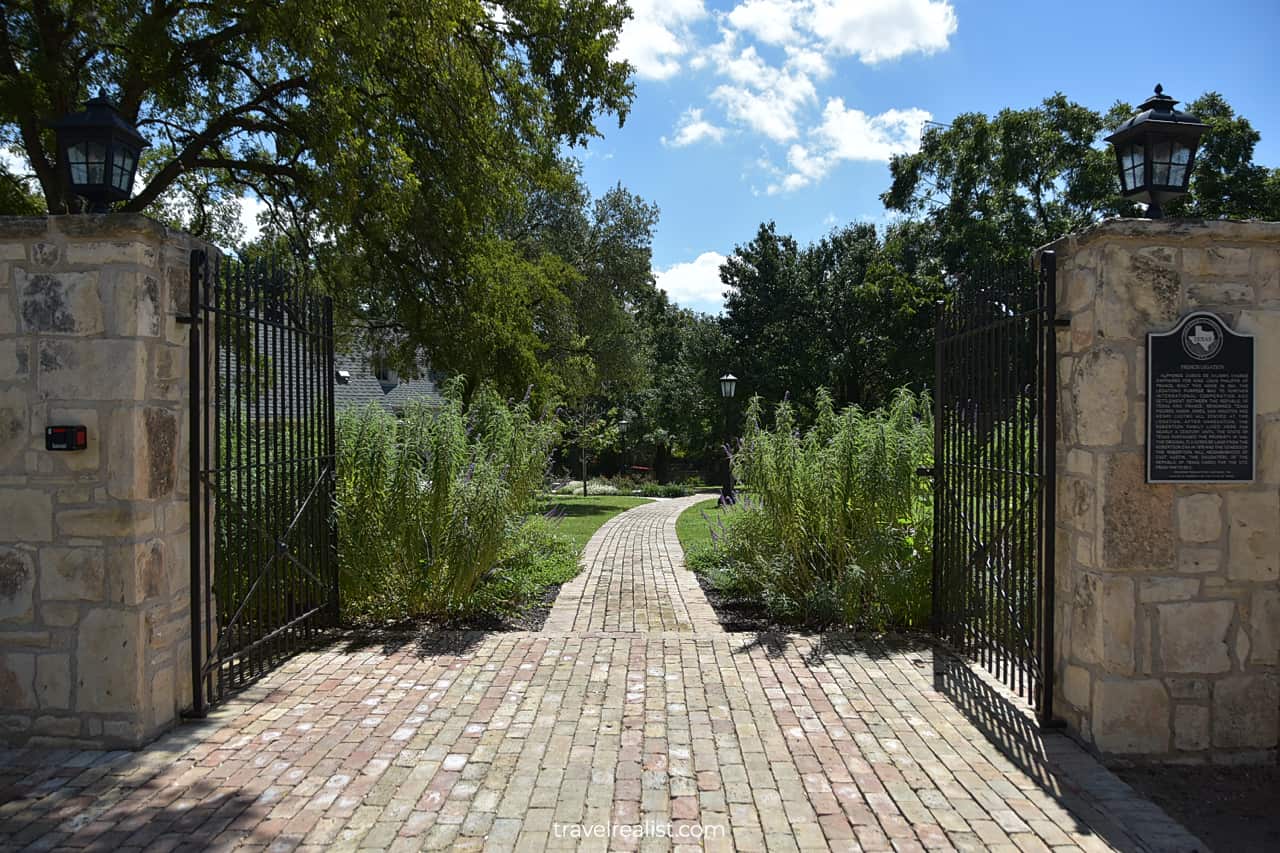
x=94 y=569
x=1168 y=596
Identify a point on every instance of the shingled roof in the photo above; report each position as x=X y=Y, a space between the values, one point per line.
x=360 y=386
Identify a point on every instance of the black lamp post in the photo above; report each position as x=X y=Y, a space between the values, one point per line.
x=98 y=151
x=1156 y=151
x=622 y=429
x=728 y=384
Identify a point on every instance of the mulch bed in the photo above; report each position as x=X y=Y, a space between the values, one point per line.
x=741 y=617
x=1231 y=809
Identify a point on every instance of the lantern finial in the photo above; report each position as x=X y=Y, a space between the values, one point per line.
x=1159 y=89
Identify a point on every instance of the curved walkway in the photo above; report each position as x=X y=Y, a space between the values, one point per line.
x=631 y=722
x=634 y=579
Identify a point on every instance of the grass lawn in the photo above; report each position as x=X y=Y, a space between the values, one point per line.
x=692 y=529
x=581 y=517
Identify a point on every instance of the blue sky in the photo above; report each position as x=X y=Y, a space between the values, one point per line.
x=750 y=110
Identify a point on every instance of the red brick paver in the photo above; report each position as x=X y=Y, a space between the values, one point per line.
x=686 y=736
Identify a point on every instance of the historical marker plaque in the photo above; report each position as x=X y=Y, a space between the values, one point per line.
x=1200 y=403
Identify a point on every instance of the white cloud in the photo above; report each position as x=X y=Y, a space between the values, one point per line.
x=250 y=208
x=771 y=60
x=765 y=98
x=808 y=61
x=14 y=163
x=876 y=30
x=695 y=284
x=657 y=36
x=850 y=134
x=771 y=21
x=692 y=128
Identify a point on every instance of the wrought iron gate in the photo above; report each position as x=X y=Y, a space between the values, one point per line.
x=263 y=538
x=994 y=474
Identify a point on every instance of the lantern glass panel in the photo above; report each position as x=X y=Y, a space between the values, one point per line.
x=88 y=162
x=1178 y=168
x=1170 y=159
x=122 y=162
x=1161 y=157
x=1132 y=159
x=97 y=163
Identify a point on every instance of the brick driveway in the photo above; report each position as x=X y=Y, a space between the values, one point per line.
x=632 y=715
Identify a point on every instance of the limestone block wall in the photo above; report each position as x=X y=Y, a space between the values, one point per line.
x=1168 y=596
x=94 y=576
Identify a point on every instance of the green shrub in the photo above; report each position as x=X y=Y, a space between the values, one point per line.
x=664 y=490
x=837 y=528
x=432 y=507
x=535 y=558
x=601 y=486
x=595 y=486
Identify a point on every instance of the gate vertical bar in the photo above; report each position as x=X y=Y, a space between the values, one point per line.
x=1049 y=448
x=199 y=262
x=331 y=458
x=938 y=483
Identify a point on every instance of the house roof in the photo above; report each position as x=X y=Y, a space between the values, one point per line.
x=361 y=386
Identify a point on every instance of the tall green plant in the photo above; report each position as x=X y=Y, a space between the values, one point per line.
x=428 y=504
x=838 y=526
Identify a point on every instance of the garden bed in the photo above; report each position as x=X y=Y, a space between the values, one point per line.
x=1228 y=808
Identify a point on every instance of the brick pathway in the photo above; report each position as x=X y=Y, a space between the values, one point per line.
x=635 y=579
x=631 y=712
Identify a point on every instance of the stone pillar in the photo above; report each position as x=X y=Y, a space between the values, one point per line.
x=94 y=569
x=1168 y=596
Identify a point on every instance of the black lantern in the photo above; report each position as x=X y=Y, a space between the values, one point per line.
x=728 y=383
x=98 y=149
x=1155 y=152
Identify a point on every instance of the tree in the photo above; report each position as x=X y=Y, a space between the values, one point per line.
x=679 y=414
x=16 y=195
x=994 y=188
x=852 y=312
x=607 y=243
x=1227 y=183
x=391 y=140
x=334 y=107
x=768 y=315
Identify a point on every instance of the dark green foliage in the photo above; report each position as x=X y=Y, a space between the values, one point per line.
x=1227 y=183
x=851 y=312
x=17 y=198
x=837 y=528
x=679 y=416
x=995 y=187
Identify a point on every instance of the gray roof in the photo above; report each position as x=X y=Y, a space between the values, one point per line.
x=361 y=387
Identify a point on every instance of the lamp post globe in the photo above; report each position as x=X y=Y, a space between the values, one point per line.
x=728 y=384
x=1156 y=151
x=98 y=151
